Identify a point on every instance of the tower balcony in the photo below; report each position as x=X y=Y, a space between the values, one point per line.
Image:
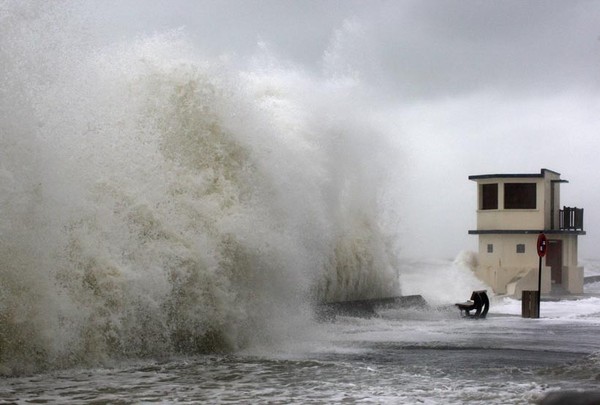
x=570 y=219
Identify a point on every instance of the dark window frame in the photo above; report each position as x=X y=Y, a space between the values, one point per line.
x=489 y=196
x=520 y=248
x=520 y=196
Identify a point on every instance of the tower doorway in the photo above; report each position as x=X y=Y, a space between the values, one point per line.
x=554 y=260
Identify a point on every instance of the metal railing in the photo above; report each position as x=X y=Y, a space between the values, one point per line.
x=570 y=218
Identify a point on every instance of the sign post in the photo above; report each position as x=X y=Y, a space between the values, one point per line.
x=542 y=246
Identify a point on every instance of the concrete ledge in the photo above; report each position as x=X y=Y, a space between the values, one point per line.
x=525 y=232
x=591 y=279
x=367 y=308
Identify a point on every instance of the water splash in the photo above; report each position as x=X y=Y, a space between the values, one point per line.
x=155 y=202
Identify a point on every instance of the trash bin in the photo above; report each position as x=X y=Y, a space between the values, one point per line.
x=529 y=304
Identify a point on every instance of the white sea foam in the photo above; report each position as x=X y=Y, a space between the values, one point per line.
x=155 y=201
x=442 y=281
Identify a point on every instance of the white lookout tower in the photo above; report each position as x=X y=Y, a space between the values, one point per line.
x=512 y=210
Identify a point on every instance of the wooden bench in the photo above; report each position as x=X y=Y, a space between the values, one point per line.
x=479 y=302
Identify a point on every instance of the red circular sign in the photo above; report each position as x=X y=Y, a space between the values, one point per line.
x=542 y=245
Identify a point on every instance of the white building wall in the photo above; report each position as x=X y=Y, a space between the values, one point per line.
x=572 y=275
x=504 y=265
x=515 y=218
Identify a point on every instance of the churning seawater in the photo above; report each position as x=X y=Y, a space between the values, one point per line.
x=408 y=356
x=168 y=222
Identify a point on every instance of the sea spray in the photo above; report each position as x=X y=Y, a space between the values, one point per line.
x=441 y=281
x=156 y=202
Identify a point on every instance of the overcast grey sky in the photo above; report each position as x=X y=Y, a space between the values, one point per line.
x=463 y=87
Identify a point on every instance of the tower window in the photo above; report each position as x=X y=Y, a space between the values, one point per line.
x=520 y=248
x=489 y=196
x=490 y=248
x=520 y=196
